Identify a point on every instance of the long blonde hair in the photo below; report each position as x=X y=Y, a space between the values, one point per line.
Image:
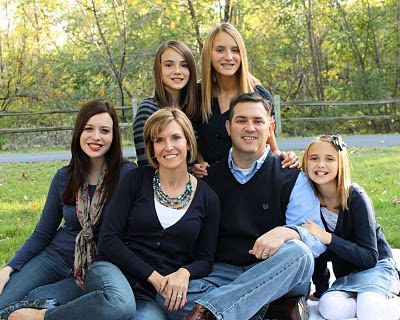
x=246 y=80
x=344 y=170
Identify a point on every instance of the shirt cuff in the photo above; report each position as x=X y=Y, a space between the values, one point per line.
x=313 y=243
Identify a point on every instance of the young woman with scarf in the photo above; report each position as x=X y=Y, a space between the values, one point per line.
x=63 y=243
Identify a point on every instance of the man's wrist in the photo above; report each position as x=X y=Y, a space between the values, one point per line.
x=289 y=233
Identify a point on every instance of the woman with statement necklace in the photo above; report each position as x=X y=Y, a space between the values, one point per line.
x=164 y=225
x=159 y=232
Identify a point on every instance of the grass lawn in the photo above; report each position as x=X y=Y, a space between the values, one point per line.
x=23 y=190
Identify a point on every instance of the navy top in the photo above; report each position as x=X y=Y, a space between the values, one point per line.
x=214 y=141
x=58 y=240
x=357 y=241
x=132 y=237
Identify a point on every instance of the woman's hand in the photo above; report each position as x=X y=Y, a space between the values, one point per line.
x=200 y=169
x=290 y=159
x=174 y=289
x=316 y=230
x=156 y=280
x=5 y=277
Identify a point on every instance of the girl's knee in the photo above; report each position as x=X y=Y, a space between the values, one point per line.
x=337 y=305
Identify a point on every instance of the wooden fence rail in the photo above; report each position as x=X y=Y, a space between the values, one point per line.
x=278 y=117
x=278 y=104
x=59 y=128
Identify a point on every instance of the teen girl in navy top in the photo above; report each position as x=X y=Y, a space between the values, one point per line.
x=224 y=75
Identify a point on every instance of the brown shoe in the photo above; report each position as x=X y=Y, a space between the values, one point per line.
x=293 y=308
x=199 y=313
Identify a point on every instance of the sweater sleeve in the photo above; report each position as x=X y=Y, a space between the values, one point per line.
x=146 y=108
x=363 y=251
x=46 y=228
x=203 y=256
x=111 y=237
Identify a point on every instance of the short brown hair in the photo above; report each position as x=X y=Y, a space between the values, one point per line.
x=253 y=97
x=157 y=123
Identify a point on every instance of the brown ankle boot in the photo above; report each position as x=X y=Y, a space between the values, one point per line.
x=293 y=308
x=199 y=313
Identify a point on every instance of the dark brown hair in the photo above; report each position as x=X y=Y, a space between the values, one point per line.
x=253 y=97
x=80 y=164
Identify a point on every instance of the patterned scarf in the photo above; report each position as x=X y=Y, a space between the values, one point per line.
x=88 y=214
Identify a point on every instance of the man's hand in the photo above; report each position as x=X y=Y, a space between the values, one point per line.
x=316 y=230
x=174 y=289
x=199 y=170
x=270 y=242
x=5 y=277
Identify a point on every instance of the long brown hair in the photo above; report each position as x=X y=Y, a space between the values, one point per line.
x=188 y=103
x=80 y=164
x=246 y=80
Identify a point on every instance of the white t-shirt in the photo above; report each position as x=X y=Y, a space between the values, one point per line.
x=168 y=216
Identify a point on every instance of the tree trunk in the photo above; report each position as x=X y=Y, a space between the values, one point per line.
x=196 y=25
x=396 y=4
x=228 y=11
x=315 y=51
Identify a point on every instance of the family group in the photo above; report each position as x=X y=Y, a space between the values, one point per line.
x=214 y=221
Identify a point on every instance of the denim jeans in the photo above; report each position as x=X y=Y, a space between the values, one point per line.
x=234 y=292
x=107 y=295
x=41 y=270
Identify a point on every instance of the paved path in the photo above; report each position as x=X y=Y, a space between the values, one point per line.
x=381 y=140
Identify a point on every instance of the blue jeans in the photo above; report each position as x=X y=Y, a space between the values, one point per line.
x=234 y=292
x=41 y=270
x=107 y=295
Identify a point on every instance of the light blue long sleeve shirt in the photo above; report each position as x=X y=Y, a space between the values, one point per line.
x=303 y=203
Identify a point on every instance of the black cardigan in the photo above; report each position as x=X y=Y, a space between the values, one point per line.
x=357 y=241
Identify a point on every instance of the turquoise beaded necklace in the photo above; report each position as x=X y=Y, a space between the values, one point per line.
x=171 y=202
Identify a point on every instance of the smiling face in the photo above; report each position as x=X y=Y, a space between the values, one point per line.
x=97 y=136
x=171 y=147
x=249 y=130
x=225 y=55
x=322 y=163
x=174 y=71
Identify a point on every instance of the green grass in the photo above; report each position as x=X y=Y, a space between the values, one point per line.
x=23 y=190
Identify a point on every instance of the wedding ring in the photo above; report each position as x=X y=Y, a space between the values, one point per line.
x=179 y=296
x=265 y=254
